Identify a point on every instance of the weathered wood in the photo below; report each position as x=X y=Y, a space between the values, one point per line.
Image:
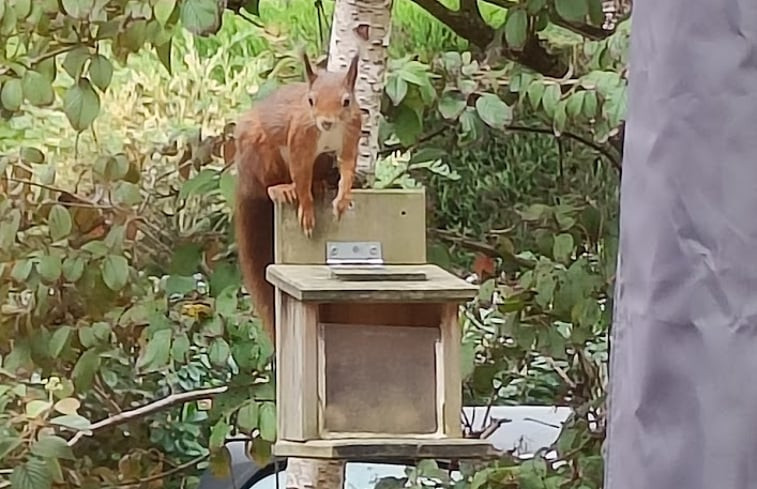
x=314 y=283
x=372 y=274
x=386 y=449
x=396 y=218
x=296 y=361
x=450 y=384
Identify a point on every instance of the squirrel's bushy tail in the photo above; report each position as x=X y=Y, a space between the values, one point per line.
x=254 y=236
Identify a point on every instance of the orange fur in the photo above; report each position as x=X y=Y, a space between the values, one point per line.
x=284 y=148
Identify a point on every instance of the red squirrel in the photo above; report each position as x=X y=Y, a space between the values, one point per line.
x=284 y=151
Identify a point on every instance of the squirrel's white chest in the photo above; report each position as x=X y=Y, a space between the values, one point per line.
x=330 y=141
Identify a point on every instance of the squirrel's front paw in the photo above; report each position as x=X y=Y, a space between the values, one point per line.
x=339 y=205
x=306 y=216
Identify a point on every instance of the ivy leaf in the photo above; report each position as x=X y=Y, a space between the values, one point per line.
x=516 y=28
x=157 y=351
x=226 y=302
x=180 y=347
x=37 y=89
x=12 y=94
x=49 y=268
x=59 y=222
x=219 y=352
x=36 y=407
x=72 y=421
x=81 y=104
x=535 y=92
x=163 y=10
x=200 y=17
x=32 y=155
x=575 y=103
x=396 y=89
x=53 y=447
x=572 y=10
x=247 y=417
x=562 y=247
x=451 y=105
x=535 y=6
x=85 y=369
x=33 y=474
x=101 y=71
x=267 y=421
x=493 y=111
x=127 y=193
x=590 y=104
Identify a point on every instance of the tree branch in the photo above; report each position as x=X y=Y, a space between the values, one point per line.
x=147 y=409
x=162 y=475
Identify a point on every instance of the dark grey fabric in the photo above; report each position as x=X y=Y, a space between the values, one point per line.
x=683 y=392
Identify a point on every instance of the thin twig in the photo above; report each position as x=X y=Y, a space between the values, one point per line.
x=162 y=475
x=147 y=409
x=562 y=373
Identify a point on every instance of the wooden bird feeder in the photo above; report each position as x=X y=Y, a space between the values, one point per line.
x=367 y=336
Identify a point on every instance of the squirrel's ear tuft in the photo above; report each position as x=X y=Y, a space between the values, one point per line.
x=311 y=76
x=351 y=76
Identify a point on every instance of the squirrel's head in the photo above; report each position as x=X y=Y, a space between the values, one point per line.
x=331 y=97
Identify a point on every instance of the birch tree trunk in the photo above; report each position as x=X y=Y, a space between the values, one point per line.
x=359 y=27
x=363 y=26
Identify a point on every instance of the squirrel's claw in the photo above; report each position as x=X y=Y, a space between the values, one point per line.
x=306 y=216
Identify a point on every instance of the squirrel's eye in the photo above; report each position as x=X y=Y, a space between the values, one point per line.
x=311 y=101
x=346 y=102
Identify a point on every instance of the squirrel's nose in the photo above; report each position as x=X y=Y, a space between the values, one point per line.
x=326 y=125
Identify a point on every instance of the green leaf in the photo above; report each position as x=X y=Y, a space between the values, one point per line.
x=73 y=268
x=396 y=89
x=218 y=434
x=37 y=89
x=157 y=350
x=186 y=259
x=59 y=340
x=452 y=104
x=23 y=8
x=535 y=6
x=252 y=6
x=115 y=272
x=85 y=369
x=74 y=61
x=550 y=98
x=180 y=347
x=267 y=421
x=135 y=36
x=562 y=247
x=71 y=421
x=467 y=359
x=21 y=270
x=59 y=222
x=49 y=268
x=561 y=118
x=53 y=447
x=200 y=16
x=163 y=10
x=176 y=284
x=33 y=474
x=127 y=193
x=596 y=12
x=247 y=417
x=81 y=104
x=572 y=10
x=226 y=302
x=32 y=155
x=407 y=125
x=590 y=104
x=227 y=185
x=201 y=183
x=575 y=103
x=516 y=28
x=9 y=226
x=78 y=8
x=493 y=111
x=12 y=94
x=535 y=92
x=100 y=71
x=164 y=54
x=36 y=408
x=219 y=352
